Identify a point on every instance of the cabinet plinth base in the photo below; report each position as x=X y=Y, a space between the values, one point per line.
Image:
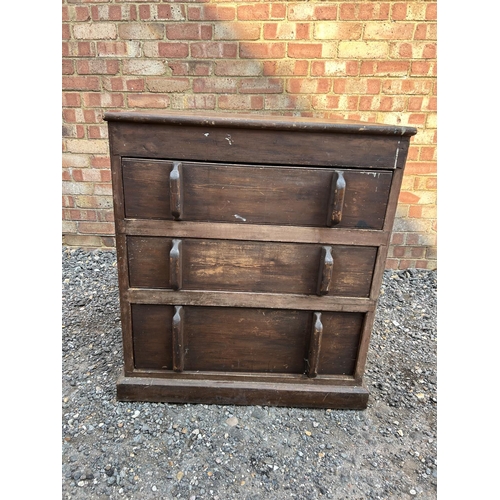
x=347 y=397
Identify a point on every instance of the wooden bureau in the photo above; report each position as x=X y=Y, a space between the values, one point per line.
x=250 y=254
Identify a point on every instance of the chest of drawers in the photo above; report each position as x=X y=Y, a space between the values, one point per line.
x=250 y=254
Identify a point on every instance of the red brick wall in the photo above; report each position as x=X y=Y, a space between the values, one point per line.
x=368 y=60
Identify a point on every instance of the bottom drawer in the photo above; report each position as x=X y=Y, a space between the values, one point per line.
x=219 y=339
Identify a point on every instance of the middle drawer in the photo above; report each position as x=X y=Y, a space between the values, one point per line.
x=250 y=266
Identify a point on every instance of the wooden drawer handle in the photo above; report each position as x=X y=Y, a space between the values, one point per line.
x=176 y=265
x=178 y=339
x=176 y=190
x=325 y=271
x=337 y=198
x=315 y=345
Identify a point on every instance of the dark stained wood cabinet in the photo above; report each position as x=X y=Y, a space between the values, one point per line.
x=250 y=254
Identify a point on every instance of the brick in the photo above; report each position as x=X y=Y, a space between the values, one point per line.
x=214 y=50
x=237 y=31
x=261 y=86
x=80 y=241
x=381 y=103
x=398 y=11
x=425 y=31
x=431 y=11
x=431 y=120
x=253 y=12
x=100 y=162
x=337 y=31
x=86 y=146
x=428 y=153
x=80 y=83
x=241 y=102
x=325 y=101
x=356 y=86
x=143 y=67
x=216 y=85
x=148 y=101
x=94 y=201
x=192 y=68
x=97 y=67
x=167 y=49
x=238 y=68
x=68 y=227
x=103 y=99
x=255 y=50
x=283 y=102
x=286 y=31
x=167 y=84
x=113 y=13
x=196 y=101
x=330 y=50
x=96 y=228
x=212 y=13
x=278 y=11
x=397 y=238
x=97 y=131
x=103 y=189
x=334 y=68
x=68 y=201
x=407 y=197
x=66 y=32
x=86 y=174
x=308 y=86
x=76 y=131
x=301 y=12
x=173 y=12
x=413 y=50
x=145 y=12
x=75 y=161
x=408 y=86
x=68 y=67
x=421 y=168
x=97 y=31
x=304 y=50
x=370 y=50
x=71 y=99
x=388 y=31
x=81 y=13
x=364 y=11
x=77 y=188
x=122 y=49
x=286 y=68
x=189 y=31
x=65 y=13
x=75 y=215
x=325 y=12
x=423 y=68
x=78 y=49
x=141 y=31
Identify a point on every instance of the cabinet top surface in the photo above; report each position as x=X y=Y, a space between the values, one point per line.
x=241 y=120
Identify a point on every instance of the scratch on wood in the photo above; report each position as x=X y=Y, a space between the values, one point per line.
x=239 y=217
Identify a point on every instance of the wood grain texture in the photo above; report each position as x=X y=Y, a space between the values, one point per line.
x=251 y=266
x=250 y=254
x=341 y=339
x=242 y=393
x=152 y=332
x=256 y=195
x=294 y=147
x=178 y=339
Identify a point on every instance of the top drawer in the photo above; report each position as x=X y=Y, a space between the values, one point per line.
x=296 y=196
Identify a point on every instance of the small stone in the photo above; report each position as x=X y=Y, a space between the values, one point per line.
x=154 y=488
x=81 y=483
x=308 y=433
x=400 y=432
x=232 y=422
x=136 y=414
x=413 y=492
x=179 y=475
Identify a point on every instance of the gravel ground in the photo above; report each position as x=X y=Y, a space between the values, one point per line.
x=116 y=450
